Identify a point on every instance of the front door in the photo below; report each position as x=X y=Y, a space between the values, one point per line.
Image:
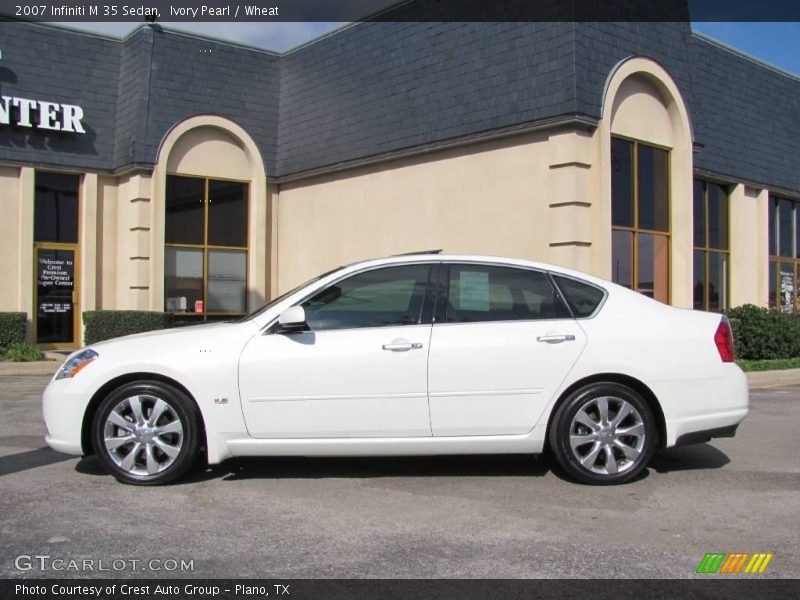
x=502 y=344
x=56 y=259
x=361 y=369
x=56 y=296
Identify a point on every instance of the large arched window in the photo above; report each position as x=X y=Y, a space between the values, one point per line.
x=647 y=173
x=209 y=250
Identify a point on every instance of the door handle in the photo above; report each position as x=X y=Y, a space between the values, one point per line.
x=556 y=338
x=402 y=346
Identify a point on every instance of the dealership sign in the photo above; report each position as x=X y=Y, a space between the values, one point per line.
x=40 y=114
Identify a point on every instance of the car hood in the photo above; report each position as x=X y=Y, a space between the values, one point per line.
x=175 y=336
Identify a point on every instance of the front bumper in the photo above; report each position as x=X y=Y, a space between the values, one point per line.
x=63 y=410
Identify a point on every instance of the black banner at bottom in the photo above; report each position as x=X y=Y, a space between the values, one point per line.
x=389 y=589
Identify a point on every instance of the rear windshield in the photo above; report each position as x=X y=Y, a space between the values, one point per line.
x=583 y=298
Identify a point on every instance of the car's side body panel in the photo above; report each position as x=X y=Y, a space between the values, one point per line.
x=336 y=384
x=498 y=378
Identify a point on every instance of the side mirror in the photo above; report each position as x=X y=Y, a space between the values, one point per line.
x=292 y=320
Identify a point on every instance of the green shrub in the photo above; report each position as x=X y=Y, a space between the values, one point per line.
x=12 y=329
x=22 y=352
x=106 y=324
x=763 y=334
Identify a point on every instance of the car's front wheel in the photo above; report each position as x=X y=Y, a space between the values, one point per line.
x=146 y=433
x=603 y=433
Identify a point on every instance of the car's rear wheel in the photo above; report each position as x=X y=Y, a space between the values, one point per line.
x=146 y=433
x=603 y=433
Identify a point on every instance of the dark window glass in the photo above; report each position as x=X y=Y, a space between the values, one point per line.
x=787 y=290
x=773 y=276
x=653 y=188
x=55 y=282
x=582 y=298
x=699 y=214
x=653 y=264
x=55 y=213
x=486 y=293
x=183 y=285
x=773 y=245
x=381 y=298
x=622 y=258
x=227 y=280
x=185 y=212
x=785 y=240
x=717 y=217
x=227 y=213
x=621 y=183
x=797 y=231
x=717 y=281
x=699 y=283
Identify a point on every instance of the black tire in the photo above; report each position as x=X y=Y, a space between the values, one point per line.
x=170 y=445
x=590 y=462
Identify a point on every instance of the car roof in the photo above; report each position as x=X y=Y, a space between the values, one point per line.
x=434 y=256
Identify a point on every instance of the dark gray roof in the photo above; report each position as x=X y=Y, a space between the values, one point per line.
x=748 y=117
x=381 y=88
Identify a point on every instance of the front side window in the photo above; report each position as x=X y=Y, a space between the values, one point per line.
x=387 y=297
x=205 y=258
x=478 y=293
x=784 y=253
x=640 y=217
x=711 y=246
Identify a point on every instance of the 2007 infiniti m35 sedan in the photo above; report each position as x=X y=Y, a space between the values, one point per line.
x=410 y=355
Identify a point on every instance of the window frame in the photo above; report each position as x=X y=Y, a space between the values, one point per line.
x=206 y=248
x=443 y=294
x=635 y=230
x=777 y=259
x=707 y=249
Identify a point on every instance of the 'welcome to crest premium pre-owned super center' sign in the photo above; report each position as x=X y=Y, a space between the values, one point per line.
x=40 y=114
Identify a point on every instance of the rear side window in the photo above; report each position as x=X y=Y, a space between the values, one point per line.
x=582 y=297
x=479 y=293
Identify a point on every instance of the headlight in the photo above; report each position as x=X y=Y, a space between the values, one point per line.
x=75 y=363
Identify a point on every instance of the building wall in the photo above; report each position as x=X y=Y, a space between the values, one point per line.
x=10 y=238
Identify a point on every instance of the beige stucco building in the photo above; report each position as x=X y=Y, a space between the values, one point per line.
x=207 y=207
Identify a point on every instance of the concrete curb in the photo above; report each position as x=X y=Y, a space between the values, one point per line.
x=42 y=367
x=767 y=379
x=756 y=379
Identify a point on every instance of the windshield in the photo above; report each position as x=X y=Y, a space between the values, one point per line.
x=275 y=301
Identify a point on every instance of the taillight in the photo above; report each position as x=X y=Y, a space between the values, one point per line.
x=723 y=338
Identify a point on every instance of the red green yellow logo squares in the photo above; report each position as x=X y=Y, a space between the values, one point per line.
x=734 y=562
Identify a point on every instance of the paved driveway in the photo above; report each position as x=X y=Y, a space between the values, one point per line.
x=496 y=516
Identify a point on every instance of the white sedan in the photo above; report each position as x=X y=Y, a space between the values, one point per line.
x=410 y=355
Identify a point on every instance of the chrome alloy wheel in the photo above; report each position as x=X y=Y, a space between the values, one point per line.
x=607 y=435
x=143 y=435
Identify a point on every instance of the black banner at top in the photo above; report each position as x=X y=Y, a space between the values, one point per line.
x=167 y=11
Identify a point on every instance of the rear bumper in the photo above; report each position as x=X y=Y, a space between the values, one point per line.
x=694 y=407
x=700 y=437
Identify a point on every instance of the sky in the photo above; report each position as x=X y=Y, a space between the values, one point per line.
x=775 y=43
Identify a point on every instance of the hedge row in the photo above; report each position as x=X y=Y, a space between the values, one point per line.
x=12 y=329
x=106 y=324
x=762 y=334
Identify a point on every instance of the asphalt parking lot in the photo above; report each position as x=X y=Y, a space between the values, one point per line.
x=471 y=517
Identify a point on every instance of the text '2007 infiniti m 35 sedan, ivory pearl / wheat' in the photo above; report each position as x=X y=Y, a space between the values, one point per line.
x=418 y=354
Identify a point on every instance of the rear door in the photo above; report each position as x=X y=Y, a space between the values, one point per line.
x=502 y=343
